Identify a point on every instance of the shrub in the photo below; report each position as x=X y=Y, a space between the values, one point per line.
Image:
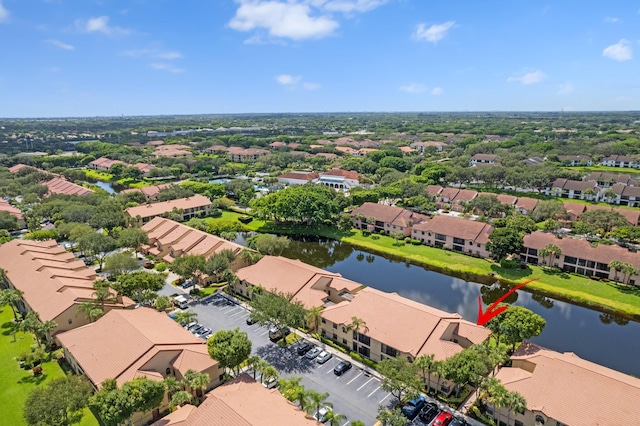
x=593 y=277
x=363 y=360
x=37 y=370
x=160 y=267
x=375 y=237
x=216 y=213
x=245 y=219
x=381 y=232
x=366 y=233
x=416 y=242
x=407 y=240
x=509 y=263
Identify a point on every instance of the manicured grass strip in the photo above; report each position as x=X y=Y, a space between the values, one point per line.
x=620 y=298
x=16 y=382
x=607 y=169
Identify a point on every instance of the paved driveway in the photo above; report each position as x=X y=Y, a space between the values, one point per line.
x=354 y=394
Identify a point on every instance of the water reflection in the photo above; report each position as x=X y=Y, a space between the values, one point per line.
x=491 y=293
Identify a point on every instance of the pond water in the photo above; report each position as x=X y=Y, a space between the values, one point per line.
x=605 y=339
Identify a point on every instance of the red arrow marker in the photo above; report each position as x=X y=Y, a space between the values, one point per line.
x=492 y=311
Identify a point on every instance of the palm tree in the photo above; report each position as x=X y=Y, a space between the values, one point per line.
x=439 y=368
x=313 y=318
x=629 y=271
x=172 y=385
x=102 y=292
x=186 y=317
x=515 y=403
x=317 y=400
x=498 y=397
x=357 y=324
x=268 y=372
x=617 y=266
x=335 y=419
x=196 y=381
x=180 y=398
x=487 y=386
x=254 y=363
x=12 y=298
x=550 y=251
x=44 y=330
x=425 y=363
x=90 y=310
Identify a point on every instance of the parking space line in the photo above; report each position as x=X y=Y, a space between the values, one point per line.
x=266 y=331
x=376 y=390
x=364 y=384
x=348 y=421
x=382 y=400
x=349 y=382
x=241 y=313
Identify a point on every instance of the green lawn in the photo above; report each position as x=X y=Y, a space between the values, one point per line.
x=621 y=298
x=16 y=382
x=98 y=175
x=607 y=169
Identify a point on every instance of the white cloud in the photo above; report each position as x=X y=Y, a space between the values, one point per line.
x=349 y=6
x=565 y=88
x=282 y=19
x=4 y=13
x=287 y=79
x=161 y=66
x=434 y=33
x=621 y=51
x=527 y=77
x=611 y=20
x=153 y=53
x=413 y=88
x=100 y=25
x=60 y=44
x=295 y=81
x=437 y=91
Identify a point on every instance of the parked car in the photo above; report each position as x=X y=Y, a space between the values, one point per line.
x=443 y=419
x=203 y=332
x=322 y=415
x=304 y=347
x=429 y=412
x=323 y=357
x=342 y=368
x=276 y=334
x=412 y=408
x=191 y=324
x=458 y=422
x=314 y=352
x=251 y=320
x=186 y=284
x=195 y=328
x=271 y=383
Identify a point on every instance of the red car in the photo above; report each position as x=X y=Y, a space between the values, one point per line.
x=443 y=419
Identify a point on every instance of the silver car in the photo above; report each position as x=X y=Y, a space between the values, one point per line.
x=324 y=357
x=313 y=353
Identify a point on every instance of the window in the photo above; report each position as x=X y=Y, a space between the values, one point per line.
x=344 y=341
x=539 y=419
x=441 y=237
x=459 y=241
x=364 y=351
x=167 y=371
x=388 y=350
x=517 y=423
x=571 y=260
x=324 y=321
x=344 y=329
x=335 y=325
x=470 y=243
x=364 y=339
x=335 y=336
x=70 y=321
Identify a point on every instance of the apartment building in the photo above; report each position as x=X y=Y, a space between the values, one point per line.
x=457 y=234
x=194 y=206
x=386 y=218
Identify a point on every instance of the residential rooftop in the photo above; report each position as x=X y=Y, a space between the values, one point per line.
x=156 y=209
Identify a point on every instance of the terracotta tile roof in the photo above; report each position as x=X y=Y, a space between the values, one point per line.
x=105 y=162
x=175 y=239
x=484 y=157
x=575 y=185
x=299 y=175
x=407 y=326
x=60 y=185
x=632 y=216
x=465 y=195
x=241 y=402
x=277 y=144
x=156 y=209
x=509 y=200
x=572 y=390
x=122 y=342
x=434 y=190
x=149 y=191
x=577 y=247
x=338 y=172
x=574 y=209
x=18 y=167
x=294 y=145
x=449 y=193
x=51 y=278
x=457 y=227
x=526 y=203
x=12 y=210
x=604 y=177
x=379 y=212
x=305 y=282
x=327 y=155
x=144 y=167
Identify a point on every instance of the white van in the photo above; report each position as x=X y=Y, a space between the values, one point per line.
x=180 y=302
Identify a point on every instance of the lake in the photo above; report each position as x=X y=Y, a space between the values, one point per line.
x=608 y=340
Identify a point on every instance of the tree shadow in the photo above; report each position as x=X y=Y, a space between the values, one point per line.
x=33 y=380
x=556 y=272
x=285 y=359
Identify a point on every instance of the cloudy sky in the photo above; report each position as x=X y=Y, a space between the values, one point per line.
x=137 y=57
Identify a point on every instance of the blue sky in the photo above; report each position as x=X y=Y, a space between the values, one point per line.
x=138 y=57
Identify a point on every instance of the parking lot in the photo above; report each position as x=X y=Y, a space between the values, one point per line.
x=356 y=394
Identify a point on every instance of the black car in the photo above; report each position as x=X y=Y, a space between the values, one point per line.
x=341 y=368
x=250 y=320
x=429 y=412
x=458 y=422
x=304 y=348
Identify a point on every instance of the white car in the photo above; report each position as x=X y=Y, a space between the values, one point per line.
x=324 y=357
x=322 y=415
